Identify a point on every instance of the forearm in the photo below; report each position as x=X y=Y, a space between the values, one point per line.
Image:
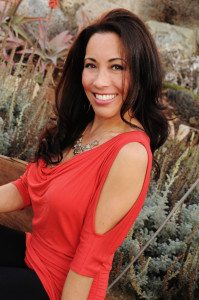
x=76 y=287
x=10 y=199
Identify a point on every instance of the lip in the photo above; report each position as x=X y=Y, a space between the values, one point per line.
x=104 y=102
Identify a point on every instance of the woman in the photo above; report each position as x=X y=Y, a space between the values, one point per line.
x=92 y=168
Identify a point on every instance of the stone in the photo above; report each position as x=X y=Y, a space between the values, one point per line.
x=70 y=6
x=197 y=37
x=183 y=131
x=171 y=37
x=93 y=9
x=173 y=12
x=184 y=106
x=57 y=23
x=181 y=69
x=96 y=7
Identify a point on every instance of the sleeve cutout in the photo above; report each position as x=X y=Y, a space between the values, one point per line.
x=135 y=205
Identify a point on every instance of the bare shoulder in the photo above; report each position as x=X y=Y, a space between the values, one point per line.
x=130 y=164
x=122 y=186
x=133 y=153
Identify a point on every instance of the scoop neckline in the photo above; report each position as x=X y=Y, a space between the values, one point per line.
x=91 y=150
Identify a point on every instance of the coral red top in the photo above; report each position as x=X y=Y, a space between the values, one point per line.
x=64 y=199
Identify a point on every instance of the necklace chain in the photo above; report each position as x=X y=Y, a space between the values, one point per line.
x=79 y=148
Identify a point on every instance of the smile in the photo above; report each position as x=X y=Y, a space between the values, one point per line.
x=105 y=97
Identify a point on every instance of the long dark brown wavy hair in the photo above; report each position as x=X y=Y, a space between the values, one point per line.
x=142 y=101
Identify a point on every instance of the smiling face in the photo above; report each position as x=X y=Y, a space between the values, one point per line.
x=105 y=77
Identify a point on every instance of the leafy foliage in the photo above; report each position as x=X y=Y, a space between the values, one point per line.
x=16 y=34
x=29 y=64
x=23 y=107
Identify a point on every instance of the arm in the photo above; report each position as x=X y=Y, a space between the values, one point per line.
x=15 y=195
x=97 y=241
x=76 y=287
x=10 y=198
x=122 y=187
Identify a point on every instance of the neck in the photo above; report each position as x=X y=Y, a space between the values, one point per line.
x=102 y=125
x=97 y=128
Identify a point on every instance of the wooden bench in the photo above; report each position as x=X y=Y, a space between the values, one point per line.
x=11 y=169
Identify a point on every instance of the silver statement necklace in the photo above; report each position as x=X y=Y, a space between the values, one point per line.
x=79 y=148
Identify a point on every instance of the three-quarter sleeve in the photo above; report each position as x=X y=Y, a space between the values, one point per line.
x=22 y=185
x=94 y=250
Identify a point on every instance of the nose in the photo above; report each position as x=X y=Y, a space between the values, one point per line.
x=102 y=79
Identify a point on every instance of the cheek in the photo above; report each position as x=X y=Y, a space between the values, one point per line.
x=86 y=79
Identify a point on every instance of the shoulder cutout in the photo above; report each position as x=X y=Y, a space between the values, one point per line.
x=122 y=186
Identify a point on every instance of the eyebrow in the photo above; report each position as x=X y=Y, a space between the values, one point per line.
x=110 y=60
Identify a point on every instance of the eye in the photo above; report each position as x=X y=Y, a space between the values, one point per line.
x=117 y=67
x=89 y=66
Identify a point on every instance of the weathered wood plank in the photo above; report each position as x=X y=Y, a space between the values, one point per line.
x=11 y=169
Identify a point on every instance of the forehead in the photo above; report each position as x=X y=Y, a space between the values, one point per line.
x=105 y=45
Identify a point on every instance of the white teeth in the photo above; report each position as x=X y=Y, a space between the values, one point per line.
x=105 y=97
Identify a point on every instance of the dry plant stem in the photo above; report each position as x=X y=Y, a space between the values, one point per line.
x=178 y=204
x=14 y=7
x=20 y=63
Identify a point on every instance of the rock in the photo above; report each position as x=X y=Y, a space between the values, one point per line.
x=174 y=12
x=171 y=37
x=57 y=23
x=94 y=9
x=197 y=36
x=171 y=130
x=183 y=131
x=181 y=69
x=184 y=106
x=70 y=7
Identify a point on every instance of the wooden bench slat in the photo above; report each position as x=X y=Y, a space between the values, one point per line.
x=11 y=169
